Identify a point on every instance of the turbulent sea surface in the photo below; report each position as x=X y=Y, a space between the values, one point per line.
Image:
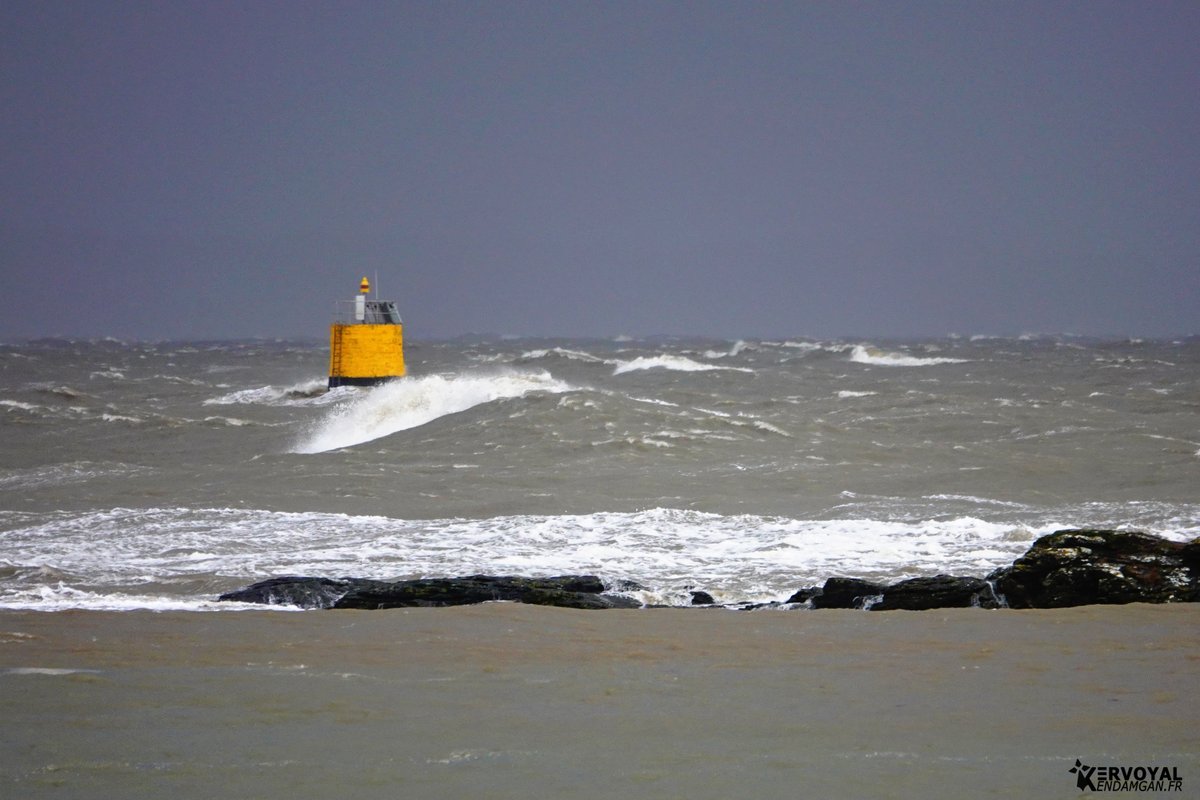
x=158 y=475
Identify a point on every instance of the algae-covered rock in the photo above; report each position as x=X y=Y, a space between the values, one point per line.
x=1085 y=567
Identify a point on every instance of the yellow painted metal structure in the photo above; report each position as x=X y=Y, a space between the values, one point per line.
x=369 y=350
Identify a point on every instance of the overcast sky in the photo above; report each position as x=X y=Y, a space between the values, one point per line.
x=736 y=169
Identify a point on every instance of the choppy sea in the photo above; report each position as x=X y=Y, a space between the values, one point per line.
x=158 y=475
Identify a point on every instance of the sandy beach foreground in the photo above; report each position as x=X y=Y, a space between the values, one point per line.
x=506 y=701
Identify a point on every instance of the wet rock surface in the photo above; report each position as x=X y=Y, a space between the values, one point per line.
x=941 y=591
x=294 y=590
x=846 y=593
x=570 y=591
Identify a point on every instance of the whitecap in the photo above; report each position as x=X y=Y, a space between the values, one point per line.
x=865 y=354
x=272 y=395
x=262 y=394
x=738 y=347
x=120 y=418
x=677 y=363
x=562 y=352
x=232 y=422
x=762 y=425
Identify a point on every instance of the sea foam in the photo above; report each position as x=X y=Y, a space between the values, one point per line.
x=113 y=559
x=122 y=558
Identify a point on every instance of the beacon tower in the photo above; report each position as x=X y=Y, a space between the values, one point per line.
x=368 y=348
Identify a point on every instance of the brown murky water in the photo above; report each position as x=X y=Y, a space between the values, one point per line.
x=505 y=701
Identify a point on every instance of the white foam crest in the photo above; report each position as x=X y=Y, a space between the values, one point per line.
x=763 y=425
x=794 y=345
x=738 y=347
x=120 y=418
x=232 y=422
x=676 y=363
x=811 y=347
x=412 y=402
x=562 y=352
x=262 y=395
x=272 y=395
x=980 y=500
x=865 y=354
x=847 y=394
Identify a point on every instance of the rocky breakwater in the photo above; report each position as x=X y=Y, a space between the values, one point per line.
x=1065 y=568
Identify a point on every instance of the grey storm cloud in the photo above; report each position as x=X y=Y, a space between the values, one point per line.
x=210 y=170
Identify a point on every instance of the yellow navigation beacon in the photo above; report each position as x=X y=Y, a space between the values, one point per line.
x=369 y=348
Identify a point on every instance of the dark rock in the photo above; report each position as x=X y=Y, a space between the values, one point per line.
x=1084 y=567
x=566 y=592
x=770 y=604
x=804 y=595
x=846 y=593
x=571 y=591
x=702 y=599
x=941 y=591
x=297 y=591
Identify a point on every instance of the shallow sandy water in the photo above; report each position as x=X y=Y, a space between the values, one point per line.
x=504 y=701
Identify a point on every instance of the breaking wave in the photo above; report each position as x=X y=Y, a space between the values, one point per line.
x=412 y=402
